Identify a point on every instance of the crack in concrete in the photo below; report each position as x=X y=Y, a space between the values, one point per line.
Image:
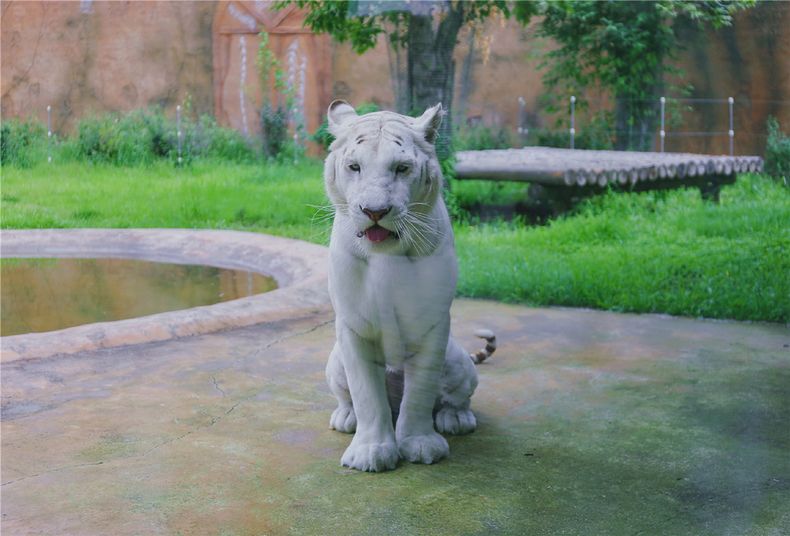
x=48 y=471
x=212 y=422
x=216 y=386
x=305 y=332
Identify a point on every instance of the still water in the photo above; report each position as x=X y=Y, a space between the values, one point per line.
x=49 y=294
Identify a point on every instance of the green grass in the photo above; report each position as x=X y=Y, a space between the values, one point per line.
x=661 y=252
x=666 y=252
x=470 y=194
x=273 y=198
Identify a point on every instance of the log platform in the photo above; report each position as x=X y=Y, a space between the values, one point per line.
x=568 y=173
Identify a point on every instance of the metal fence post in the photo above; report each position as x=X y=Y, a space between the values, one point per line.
x=49 y=134
x=573 y=120
x=731 y=132
x=178 y=131
x=663 y=133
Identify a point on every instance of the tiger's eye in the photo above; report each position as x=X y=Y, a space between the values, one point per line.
x=353 y=167
x=402 y=168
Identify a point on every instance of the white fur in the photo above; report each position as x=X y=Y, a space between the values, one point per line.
x=392 y=298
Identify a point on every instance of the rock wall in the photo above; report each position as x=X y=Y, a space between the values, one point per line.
x=89 y=57
x=749 y=61
x=304 y=62
x=92 y=57
x=499 y=62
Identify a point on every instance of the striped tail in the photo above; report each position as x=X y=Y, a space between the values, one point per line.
x=481 y=355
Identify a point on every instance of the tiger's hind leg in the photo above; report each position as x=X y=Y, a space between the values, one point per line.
x=459 y=381
x=343 y=418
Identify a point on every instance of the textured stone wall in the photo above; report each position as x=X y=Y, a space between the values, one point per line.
x=85 y=57
x=304 y=62
x=91 y=57
x=748 y=61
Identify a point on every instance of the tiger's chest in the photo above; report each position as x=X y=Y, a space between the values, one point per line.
x=393 y=300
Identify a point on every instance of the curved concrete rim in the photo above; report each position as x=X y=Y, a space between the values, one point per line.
x=300 y=269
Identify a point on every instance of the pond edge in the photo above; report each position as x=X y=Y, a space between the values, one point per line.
x=300 y=269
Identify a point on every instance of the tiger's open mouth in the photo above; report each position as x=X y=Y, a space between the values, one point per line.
x=376 y=233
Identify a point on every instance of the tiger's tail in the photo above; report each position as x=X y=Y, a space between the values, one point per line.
x=484 y=353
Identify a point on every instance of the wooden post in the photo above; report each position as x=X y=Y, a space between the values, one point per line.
x=711 y=188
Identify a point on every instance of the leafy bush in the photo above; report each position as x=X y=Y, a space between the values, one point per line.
x=777 y=152
x=482 y=137
x=22 y=142
x=141 y=137
x=582 y=140
x=274 y=126
x=136 y=138
x=203 y=138
x=597 y=134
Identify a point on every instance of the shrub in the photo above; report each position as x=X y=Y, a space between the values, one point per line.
x=777 y=152
x=141 y=137
x=274 y=128
x=22 y=142
x=204 y=138
x=138 y=137
x=481 y=137
x=596 y=135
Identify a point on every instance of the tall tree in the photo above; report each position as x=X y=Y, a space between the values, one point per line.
x=623 y=47
x=428 y=30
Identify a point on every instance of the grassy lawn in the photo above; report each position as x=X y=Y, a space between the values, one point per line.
x=276 y=199
x=663 y=252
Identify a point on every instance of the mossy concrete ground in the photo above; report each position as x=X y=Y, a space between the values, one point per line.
x=589 y=423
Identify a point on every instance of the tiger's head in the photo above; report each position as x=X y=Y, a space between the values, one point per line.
x=384 y=179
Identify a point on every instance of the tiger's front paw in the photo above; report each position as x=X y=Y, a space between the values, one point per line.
x=373 y=457
x=428 y=448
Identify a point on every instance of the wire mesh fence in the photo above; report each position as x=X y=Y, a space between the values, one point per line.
x=676 y=124
x=174 y=132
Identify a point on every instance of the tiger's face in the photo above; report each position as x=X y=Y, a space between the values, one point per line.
x=383 y=178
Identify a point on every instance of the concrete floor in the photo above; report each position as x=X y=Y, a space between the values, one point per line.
x=589 y=423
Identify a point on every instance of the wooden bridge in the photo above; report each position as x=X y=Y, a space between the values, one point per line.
x=569 y=173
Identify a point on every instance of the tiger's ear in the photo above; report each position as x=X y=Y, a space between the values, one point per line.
x=339 y=112
x=428 y=123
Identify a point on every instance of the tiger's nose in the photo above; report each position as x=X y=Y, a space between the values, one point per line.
x=375 y=215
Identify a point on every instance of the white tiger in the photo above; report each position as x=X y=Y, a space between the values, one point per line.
x=392 y=278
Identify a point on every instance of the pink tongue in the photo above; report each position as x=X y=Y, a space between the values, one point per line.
x=377 y=233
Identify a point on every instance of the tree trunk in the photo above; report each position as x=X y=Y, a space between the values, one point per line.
x=622 y=114
x=637 y=118
x=431 y=69
x=465 y=83
x=636 y=122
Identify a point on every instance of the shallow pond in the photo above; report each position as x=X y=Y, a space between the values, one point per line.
x=48 y=294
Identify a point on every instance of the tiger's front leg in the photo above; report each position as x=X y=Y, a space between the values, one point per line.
x=417 y=440
x=373 y=447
